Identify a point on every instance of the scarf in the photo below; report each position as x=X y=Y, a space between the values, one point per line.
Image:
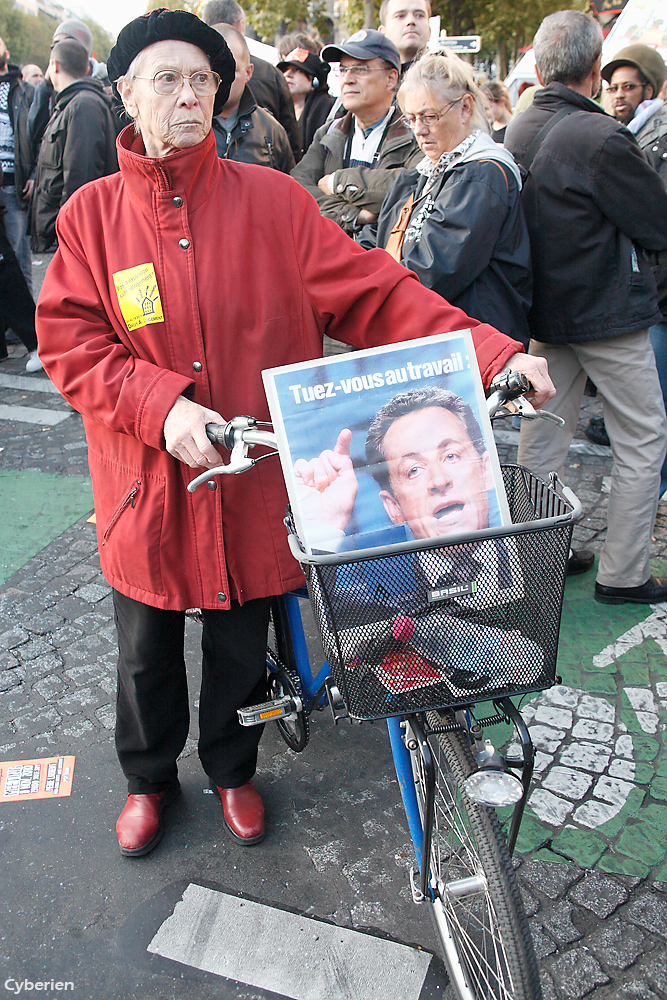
x=432 y=170
x=645 y=110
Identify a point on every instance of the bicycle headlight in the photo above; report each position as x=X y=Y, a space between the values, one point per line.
x=493 y=786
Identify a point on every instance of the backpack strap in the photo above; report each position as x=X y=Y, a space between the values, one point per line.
x=397 y=235
x=490 y=159
x=527 y=161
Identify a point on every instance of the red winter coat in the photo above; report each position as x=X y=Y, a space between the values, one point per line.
x=246 y=275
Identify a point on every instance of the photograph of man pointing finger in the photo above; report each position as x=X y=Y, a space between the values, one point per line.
x=425 y=450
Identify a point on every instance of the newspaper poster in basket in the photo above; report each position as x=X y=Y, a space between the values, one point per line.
x=387 y=444
x=394 y=445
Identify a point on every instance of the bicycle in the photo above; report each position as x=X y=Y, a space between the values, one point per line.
x=450 y=775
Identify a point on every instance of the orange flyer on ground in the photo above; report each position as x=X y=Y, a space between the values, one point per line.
x=43 y=778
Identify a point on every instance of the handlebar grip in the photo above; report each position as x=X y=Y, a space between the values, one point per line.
x=216 y=433
x=511 y=384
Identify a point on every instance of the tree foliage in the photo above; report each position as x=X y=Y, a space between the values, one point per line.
x=282 y=16
x=191 y=5
x=505 y=25
x=28 y=38
x=509 y=25
x=102 y=41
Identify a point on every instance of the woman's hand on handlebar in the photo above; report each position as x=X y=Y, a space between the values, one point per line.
x=536 y=370
x=185 y=434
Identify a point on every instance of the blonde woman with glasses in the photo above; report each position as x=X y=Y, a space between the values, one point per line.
x=456 y=219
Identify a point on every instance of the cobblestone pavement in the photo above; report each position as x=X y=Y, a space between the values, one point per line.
x=592 y=850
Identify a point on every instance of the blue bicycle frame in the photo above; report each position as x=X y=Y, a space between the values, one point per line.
x=314 y=696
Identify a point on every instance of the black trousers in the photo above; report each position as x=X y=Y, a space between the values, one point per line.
x=17 y=306
x=152 y=710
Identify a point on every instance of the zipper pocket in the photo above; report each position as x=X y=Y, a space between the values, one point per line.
x=128 y=501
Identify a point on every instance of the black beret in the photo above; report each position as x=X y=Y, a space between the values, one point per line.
x=163 y=25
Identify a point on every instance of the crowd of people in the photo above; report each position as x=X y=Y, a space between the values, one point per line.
x=433 y=208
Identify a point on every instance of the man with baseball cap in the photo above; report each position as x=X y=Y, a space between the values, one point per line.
x=352 y=161
x=636 y=78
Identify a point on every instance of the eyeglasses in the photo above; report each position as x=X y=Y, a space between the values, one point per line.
x=168 y=82
x=429 y=118
x=626 y=88
x=360 y=71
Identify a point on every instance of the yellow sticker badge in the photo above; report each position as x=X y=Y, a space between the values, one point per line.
x=138 y=296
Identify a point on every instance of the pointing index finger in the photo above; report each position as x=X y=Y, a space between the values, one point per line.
x=344 y=443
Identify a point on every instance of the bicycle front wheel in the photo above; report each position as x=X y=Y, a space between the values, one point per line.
x=476 y=902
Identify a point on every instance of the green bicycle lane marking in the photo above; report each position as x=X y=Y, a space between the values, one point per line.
x=36 y=508
x=600 y=791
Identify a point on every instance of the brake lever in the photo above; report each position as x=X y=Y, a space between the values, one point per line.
x=239 y=461
x=523 y=408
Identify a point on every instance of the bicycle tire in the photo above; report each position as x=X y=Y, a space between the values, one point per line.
x=485 y=937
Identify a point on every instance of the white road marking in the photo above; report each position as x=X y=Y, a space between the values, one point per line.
x=285 y=953
x=34 y=415
x=32 y=384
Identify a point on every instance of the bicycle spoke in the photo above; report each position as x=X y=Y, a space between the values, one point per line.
x=486 y=940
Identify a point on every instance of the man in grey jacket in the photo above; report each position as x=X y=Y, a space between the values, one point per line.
x=353 y=161
x=593 y=205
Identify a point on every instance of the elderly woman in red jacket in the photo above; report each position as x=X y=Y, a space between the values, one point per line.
x=176 y=282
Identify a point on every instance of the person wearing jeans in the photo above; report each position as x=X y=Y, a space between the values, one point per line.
x=17 y=306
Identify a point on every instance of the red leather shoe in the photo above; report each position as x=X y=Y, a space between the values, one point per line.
x=243 y=813
x=139 y=826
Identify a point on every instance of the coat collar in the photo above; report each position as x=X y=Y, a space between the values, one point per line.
x=74 y=88
x=190 y=173
x=397 y=133
x=552 y=96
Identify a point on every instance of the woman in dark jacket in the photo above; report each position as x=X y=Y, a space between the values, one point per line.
x=457 y=218
x=306 y=76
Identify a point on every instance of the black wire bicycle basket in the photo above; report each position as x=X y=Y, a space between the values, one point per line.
x=419 y=626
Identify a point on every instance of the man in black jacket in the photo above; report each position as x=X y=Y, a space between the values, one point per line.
x=593 y=205
x=268 y=85
x=243 y=131
x=79 y=143
x=15 y=158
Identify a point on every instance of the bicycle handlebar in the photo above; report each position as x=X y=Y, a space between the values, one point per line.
x=243 y=432
x=509 y=387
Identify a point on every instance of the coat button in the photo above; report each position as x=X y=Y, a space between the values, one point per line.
x=222 y=597
x=178 y=201
x=196 y=366
x=212 y=485
x=184 y=244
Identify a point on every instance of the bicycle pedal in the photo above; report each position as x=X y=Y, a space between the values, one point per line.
x=269 y=711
